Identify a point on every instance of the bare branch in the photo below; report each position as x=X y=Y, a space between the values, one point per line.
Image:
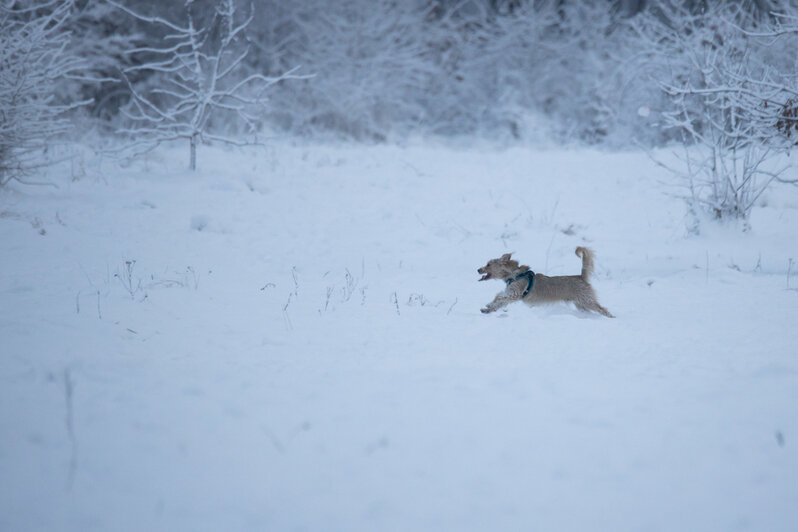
x=152 y=20
x=198 y=68
x=34 y=57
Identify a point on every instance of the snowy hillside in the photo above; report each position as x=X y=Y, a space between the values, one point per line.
x=290 y=339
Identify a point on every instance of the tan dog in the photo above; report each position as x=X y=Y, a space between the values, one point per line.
x=535 y=288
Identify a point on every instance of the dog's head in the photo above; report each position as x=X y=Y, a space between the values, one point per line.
x=502 y=268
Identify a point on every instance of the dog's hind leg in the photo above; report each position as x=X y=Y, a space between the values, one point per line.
x=595 y=307
x=603 y=311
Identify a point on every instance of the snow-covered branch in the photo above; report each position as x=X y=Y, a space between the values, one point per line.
x=197 y=77
x=34 y=56
x=724 y=101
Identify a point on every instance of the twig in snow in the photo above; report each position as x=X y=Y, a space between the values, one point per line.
x=190 y=270
x=349 y=288
x=126 y=278
x=77 y=303
x=396 y=303
x=450 y=308
x=287 y=319
x=296 y=282
x=73 y=457
x=330 y=290
x=288 y=302
x=278 y=445
x=417 y=299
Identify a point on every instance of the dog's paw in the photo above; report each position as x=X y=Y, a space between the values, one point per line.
x=485 y=310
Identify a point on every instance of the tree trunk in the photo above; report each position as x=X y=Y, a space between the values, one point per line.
x=192 y=164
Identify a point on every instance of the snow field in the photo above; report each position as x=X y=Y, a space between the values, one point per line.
x=298 y=346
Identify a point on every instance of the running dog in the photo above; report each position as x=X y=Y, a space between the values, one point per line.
x=535 y=288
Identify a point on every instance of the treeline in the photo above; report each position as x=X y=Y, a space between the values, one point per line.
x=593 y=71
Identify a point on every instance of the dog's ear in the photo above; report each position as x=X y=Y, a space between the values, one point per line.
x=506 y=257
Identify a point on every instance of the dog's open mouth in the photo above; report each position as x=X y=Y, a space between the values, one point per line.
x=484 y=277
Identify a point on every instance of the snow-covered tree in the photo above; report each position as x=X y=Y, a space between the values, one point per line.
x=718 y=91
x=772 y=100
x=34 y=57
x=197 y=75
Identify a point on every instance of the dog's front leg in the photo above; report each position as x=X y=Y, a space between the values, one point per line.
x=500 y=301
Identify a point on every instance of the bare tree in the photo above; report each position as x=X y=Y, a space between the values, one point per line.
x=34 y=56
x=197 y=76
x=718 y=91
x=773 y=102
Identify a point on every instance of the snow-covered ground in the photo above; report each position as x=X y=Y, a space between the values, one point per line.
x=290 y=339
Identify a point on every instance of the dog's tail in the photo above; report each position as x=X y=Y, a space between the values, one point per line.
x=587 y=261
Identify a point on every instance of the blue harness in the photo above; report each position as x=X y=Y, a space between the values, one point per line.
x=529 y=275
